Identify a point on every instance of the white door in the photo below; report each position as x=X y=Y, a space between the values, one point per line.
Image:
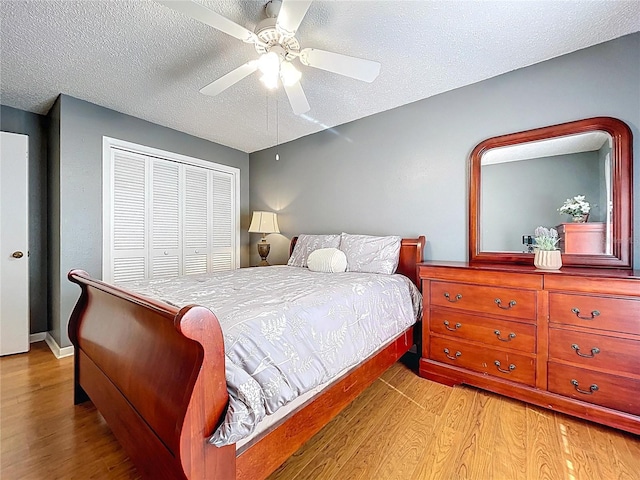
x=14 y=261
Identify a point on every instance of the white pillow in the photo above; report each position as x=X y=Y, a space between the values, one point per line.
x=366 y=253
x=328 y=260
x=307 y=244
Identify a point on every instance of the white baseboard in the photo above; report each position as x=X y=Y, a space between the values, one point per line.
x=59 y=352
x=37 y=337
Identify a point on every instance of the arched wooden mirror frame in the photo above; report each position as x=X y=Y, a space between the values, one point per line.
x=622 y=179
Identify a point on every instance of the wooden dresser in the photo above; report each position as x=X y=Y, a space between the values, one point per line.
x=567 y=340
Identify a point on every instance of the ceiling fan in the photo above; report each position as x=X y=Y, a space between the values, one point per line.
x=274 y=39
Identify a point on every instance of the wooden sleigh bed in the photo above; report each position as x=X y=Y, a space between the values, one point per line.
x=157 y=375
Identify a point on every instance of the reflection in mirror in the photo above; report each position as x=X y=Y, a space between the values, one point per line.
x=552 y=170
x=520 y=180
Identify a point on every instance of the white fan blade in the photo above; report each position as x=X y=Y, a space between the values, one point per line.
x=211 y=18
x=297 y=98
x=234 y=76
x=291 y=14
x=358 y=68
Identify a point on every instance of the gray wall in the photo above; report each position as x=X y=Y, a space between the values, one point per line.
x=82 y=126
x=512 y=208
x=404 y=171
x=26 y=123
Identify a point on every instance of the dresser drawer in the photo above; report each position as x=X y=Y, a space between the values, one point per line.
x=508 y=302
x=619 y=393
x=595 y=351
x=602 y=313
x=510 y=366
x=486 y=330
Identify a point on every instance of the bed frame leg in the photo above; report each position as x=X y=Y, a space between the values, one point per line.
x=79 y=395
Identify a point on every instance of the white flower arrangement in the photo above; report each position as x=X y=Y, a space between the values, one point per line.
x=576 y=206
x=546 y=238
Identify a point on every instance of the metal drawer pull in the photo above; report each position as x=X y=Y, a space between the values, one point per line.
x=592 y=388
x=594 y=314
x=458 y=297
x=446 y=325
x=512 y=367
x=512 y=303
x=508 y=339
x=446 y=352
x=594 y=351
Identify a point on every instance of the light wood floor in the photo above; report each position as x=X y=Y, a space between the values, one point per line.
x=401 y=427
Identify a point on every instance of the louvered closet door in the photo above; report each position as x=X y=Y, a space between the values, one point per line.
x=165 y=235
x=165 y=218
x=128 y=259
x=223 y=248
x=197 y=225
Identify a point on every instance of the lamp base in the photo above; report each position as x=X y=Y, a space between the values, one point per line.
x=263 y=251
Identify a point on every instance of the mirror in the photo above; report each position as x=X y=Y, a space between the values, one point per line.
x=520 y=181
x=555 y=169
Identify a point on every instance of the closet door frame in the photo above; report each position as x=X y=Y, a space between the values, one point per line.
x=109 y=144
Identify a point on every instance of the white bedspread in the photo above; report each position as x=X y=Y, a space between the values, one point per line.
x=287 y=329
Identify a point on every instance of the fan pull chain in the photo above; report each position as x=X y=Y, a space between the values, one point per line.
x=277 y=129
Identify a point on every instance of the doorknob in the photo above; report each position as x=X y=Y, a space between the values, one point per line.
x=17 y=254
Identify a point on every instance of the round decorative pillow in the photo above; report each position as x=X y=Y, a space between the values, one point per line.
x=329 y=260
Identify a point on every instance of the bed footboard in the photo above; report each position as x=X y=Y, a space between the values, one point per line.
x=156 y=373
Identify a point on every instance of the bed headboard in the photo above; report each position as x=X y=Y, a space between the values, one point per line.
x=411 y=253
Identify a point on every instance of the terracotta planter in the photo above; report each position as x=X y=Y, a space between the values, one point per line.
x=547 y=259
x=580 y=218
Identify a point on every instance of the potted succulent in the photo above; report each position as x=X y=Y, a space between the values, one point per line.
x=577 y=207
x=546 y=253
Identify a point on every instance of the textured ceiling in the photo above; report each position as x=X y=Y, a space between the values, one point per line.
x=143 y=59
x=551 y=147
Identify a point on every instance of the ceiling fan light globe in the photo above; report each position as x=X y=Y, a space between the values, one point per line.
x=270 y=81
x=269 y=64
x=289 y=74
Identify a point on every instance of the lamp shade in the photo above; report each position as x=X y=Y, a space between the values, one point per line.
x=264 y=222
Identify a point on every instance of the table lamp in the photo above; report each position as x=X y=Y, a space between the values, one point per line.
x=264 y=223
